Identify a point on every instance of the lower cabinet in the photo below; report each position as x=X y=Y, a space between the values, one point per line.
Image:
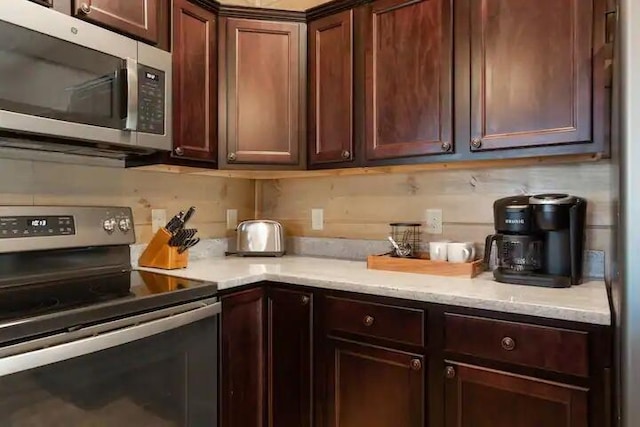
x=289 y=349
x=295 y=357
x=242 y=370
x=480 y=397
x=373 y=386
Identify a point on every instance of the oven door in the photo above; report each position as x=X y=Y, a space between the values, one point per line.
x=155 y=369
x=65 y=78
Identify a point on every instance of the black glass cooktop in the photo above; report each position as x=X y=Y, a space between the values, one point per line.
x=43 y=308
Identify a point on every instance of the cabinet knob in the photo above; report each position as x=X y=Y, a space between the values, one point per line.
x=368 y=320
x=450 y=372
x=476 y=143
x=231 y=157
x=85 y=8
x=416 y=364
x=179 y=151
x=508 y=343
x=346 y=154
x=305 y=300
x=446 y=146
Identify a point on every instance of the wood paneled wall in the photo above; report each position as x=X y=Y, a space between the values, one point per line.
x=43 y=183
x=363 y=206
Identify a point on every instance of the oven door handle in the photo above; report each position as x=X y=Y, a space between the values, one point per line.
x=131 y=121
x=138 y=327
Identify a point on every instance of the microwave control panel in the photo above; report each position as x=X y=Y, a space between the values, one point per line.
x=36 y=226
x=151 y=100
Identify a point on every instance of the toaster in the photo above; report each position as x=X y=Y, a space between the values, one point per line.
x=260 y=238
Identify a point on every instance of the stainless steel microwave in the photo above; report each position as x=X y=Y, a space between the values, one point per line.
x=67 y=80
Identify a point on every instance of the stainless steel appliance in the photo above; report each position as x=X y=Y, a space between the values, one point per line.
x=260 y=238
x=539 y=240
x=67 y=80
x=84 y=340
x=624 y=274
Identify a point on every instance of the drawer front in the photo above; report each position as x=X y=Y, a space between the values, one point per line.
x=552 y=349
x=401 y=324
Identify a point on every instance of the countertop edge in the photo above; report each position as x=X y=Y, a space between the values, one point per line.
x=597 y=317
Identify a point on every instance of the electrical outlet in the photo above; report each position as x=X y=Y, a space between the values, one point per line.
x=317 y=219
x=158 y=219
x=434 y=221
x=232 y=219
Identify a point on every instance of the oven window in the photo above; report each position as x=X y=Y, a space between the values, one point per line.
x=169 y=379
x=47 y=77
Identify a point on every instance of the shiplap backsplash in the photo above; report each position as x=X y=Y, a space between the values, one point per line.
x=361 y=207
x=43 y=183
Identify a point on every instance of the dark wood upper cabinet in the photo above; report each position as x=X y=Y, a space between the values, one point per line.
x=408 y=78
x=242 y=391
x=265 y=92
x=289 y=354
x=195 y=96
x=331 y=89
x=531 y=72
x=138 y=18
x=484 y=398
x=373 y=386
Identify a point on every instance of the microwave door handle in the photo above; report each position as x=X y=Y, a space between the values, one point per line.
x=131 y=121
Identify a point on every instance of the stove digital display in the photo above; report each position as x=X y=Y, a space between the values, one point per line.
x=28 y=226
x=38 y=222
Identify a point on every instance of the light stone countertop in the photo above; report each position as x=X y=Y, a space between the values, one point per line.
x=587 y=303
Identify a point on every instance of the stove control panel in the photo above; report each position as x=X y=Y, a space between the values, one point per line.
x=34 y=228
x=12 y=227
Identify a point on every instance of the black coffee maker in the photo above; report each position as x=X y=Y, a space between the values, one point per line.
x=539 y=240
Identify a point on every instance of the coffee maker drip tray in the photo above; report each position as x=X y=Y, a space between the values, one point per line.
x=528 y=278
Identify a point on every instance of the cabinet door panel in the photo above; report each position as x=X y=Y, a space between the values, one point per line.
x=331 y=88
x=374 y=387
x=243 y=361
x=263 y=92
x=531 y=72
x=289 y=354
x=138 y=18
x=408 y=78
x=477 y=397
x=194 y=82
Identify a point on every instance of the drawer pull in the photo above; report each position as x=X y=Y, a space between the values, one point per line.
x=368 y=320
x=305 y=300
x=416 y=364
x=508 y=343
x=450 y=372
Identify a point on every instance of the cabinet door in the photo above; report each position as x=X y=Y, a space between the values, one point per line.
x=289 y=356
x=408 y=78
x=331 y=89
x=531 y=72
x=242 y=359
x=264 y=92
x=477 y=397
x=195 y=96
x=48 y=3
x=138 y=18
x=374 y=386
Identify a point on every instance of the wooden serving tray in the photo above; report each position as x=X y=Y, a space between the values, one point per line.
x=424 y=265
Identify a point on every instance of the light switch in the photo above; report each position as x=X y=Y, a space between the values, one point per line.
x=317 y=219
x=232 y=219
x=158 y=219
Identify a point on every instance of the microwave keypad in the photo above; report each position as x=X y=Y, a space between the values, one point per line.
x=151 y=100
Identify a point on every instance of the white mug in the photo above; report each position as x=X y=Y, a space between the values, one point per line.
x=461 y=252
x=438 y=250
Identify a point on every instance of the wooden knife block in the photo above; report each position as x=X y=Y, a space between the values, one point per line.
x=158 y=253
